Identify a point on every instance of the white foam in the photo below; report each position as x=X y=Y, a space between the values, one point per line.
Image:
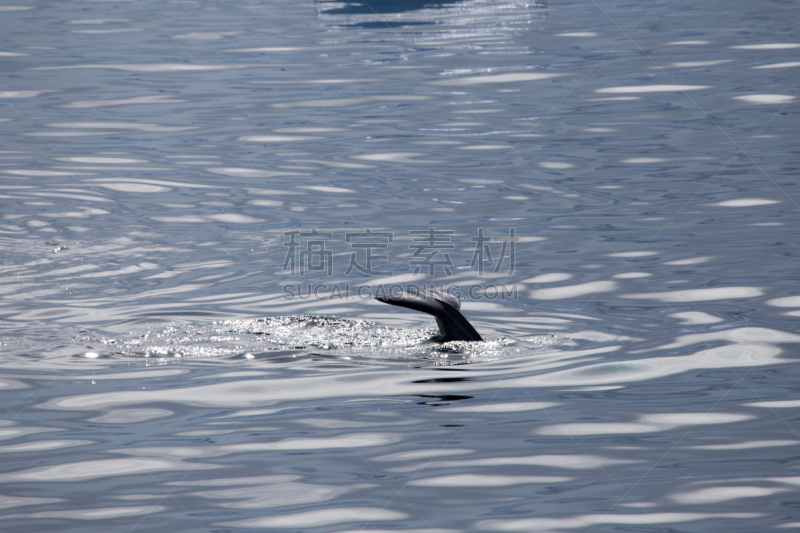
x=696 y=317
x=510 y=77
x=765 y=98
x=319 y=518
x=555 y=165
x=767 y=46
x=652 y=88
x=786 y=301
x=249 y=172
x=578 y=34
x=20 y=94
x=716 y=494
x=690 y=64
x=787 y=64
x=643 y=160
x=325 y=188
x=574 y=291
x=552 y=277
x=632 y=254
x=277 y=138
x=699 y=295
x=485 y=480
x=746 y=202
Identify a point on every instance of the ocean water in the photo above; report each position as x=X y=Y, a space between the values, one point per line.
x=199 y=201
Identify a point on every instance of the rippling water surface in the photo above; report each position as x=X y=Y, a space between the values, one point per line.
x=188 y=335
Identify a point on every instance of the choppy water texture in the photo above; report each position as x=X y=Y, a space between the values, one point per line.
x=166 y=366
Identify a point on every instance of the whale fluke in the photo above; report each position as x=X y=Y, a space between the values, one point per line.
x=445 y=307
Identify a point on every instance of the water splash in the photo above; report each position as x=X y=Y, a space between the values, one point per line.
x=304 y=335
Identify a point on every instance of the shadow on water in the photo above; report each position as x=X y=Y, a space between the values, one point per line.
x=381 y=7
x=389 y=14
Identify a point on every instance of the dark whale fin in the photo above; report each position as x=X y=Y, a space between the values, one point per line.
x=452 y=324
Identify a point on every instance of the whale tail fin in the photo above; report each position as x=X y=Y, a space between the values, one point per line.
x=444 y=307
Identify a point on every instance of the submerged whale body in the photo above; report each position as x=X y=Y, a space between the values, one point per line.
x=452 y=324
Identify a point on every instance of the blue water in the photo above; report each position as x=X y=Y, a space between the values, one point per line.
x=188 y=335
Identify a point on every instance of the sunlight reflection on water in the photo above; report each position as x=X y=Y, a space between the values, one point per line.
x=640 y=374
